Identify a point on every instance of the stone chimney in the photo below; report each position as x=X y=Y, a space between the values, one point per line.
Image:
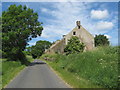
x=78 y=24
x=64 y=36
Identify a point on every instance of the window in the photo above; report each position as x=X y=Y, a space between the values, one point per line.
x=74 y=33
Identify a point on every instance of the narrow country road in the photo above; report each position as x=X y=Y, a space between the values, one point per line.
x=37 y=75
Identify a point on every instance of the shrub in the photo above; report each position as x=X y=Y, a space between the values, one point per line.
x=101 y=40
x=74 y=46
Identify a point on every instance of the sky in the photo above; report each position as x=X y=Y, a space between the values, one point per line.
x=59 y=18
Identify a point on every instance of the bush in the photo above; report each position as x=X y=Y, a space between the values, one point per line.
x=74 y=46
x=101 y=40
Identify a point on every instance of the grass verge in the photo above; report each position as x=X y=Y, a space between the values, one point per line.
x=92 y=69
x=72 y=79
x=10 y=69
x=0 y=73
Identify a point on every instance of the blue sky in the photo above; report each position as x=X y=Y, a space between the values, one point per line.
x=59 y=18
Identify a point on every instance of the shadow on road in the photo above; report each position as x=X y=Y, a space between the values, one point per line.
x=36 y=63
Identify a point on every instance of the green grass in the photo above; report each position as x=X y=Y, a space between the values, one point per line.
x=11 y=68
x=0 y=73
x=91 y=69
x=29 y=59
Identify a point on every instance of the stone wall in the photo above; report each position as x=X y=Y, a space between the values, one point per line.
x=86 y=38
x=83 y=35
x=58 y=47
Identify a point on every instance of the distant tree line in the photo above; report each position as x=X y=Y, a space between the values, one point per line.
x=38 y=49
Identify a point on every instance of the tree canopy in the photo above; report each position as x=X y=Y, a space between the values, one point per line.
x=19 y=25
x=39 y=48
x=101 y=40
x=74 y=46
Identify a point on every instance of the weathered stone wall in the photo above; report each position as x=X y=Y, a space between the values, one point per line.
x=84 y=37
x=58 y=47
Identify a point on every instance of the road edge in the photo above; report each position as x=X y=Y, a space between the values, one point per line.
x=58 y=76
x=15 y=76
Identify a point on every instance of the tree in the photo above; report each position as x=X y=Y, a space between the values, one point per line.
x=101 y=40
x=27 y=50
x=74 y=46
x=0 y=37
x=19 y=25
x=39 y=48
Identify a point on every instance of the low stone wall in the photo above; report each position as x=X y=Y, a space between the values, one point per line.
x=57 y=47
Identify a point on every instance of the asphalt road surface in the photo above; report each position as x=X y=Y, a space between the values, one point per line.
x=37 y=75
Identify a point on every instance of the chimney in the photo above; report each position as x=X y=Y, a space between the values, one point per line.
x=78 y=24
x=64 y=36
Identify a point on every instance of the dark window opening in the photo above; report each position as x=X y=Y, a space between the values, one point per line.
x=78 y=27
x=74 y=33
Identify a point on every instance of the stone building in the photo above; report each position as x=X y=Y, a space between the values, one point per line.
x=83 y=35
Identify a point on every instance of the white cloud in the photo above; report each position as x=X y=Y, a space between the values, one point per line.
x=108 y=36
x=48 y=32
x=100 y=27
x=51 y=32
x=104 y=25
x=44 y=10
x=32 y=43
x=99 y=14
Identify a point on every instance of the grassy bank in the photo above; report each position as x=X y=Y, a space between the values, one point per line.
x=11 y=68
x=92 y=69
x=0 y=73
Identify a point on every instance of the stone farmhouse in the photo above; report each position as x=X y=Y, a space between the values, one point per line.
x=83 y=35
